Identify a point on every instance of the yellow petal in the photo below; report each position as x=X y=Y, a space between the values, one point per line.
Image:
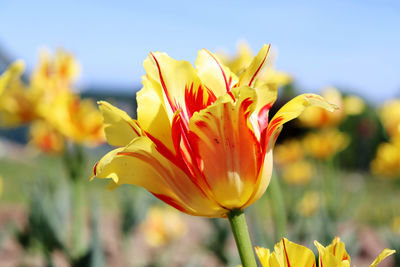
x=14 y=71
x=120 y=129
x=385 y=253
x=152 y=113
x=229 y=150
x=292 y=110
x=174 y=77
x=289 y=254
x=213 y=74
x=329 y=259
x=140 y=163
x=263 y=255
x=248 y=77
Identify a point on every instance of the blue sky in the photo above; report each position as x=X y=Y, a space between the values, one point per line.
x=352 y=44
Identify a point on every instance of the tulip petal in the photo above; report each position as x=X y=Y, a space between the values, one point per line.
x=327 y=258
x=120 y=129
x=263 y=255
x=14 y=71
x=229 y=153
x=248 y=77
x=152 y=113
x=141 y=164
x=290 y=111
x=213 y=74
x=287 y=253
x=385 y=253
x=174 y=77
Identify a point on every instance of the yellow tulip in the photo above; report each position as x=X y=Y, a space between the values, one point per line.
x=309 y=203
x=46 y=138
x=387 y=160
x=289 y=254
x=390 y=117
x=298 y=173
x=17 y=103
x=77 y=119
x=286 y=254
x=162 y=226
x=202 y=142
x=335 y=255
x=353 y=105
x=56 y=71
x=288 y=152
x=325 y=144
x=243 y=59
x=319 y=118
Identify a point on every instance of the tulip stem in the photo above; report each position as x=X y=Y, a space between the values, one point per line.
x=241 y=233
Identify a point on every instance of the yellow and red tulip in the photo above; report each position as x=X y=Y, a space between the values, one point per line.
x=17 y=102
x=202 y=141
x=45 y=138
x=287 y=253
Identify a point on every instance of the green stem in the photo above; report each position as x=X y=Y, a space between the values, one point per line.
x=278 y=204
x=242 y=237
x=77 y=217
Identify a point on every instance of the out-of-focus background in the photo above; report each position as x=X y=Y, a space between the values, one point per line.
x=335 y=175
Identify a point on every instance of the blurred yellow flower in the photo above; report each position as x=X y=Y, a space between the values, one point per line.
x=318 y=118
x=243 y=59
x=309 y=203
x=162 y=226
x=288 y=152
x=298 y=173
x=287 y=253
x=17 y=102
x=353 y=105
x=325 y=143
x=203 y=141
x=46 y=138
x=387 y=160
x=390 y=117
x=49 y=98
x=56 y=71
x=77 y=119
x=396 y=225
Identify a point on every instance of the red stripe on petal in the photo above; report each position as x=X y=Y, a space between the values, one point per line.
x=287 y=257
x=95 y=168
x=262 y=117
x=259 y=67
x=163 y=84
x=222 y=71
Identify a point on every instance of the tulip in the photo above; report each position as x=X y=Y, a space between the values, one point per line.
x=287 y=253
x=202 y=142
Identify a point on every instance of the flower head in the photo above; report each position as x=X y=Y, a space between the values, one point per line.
x=326 y=143
x=162 y=226
x=287 y=253
x=387 y=159
x=202 y=141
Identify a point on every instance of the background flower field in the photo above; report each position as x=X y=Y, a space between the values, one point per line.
x=335 y=174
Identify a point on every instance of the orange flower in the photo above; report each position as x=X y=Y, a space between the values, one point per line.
x=202 y=141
